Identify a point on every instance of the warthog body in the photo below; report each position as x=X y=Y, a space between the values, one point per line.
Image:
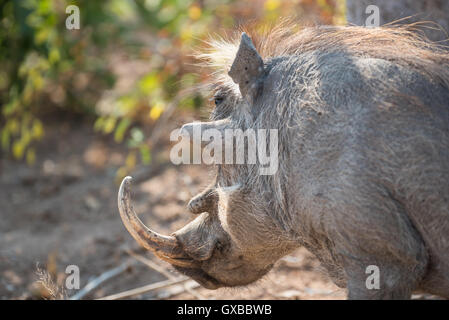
x=363 y=178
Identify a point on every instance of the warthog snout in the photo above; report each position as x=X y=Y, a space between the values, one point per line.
x=211 y=249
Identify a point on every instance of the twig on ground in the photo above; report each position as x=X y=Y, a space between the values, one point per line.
x=144 y=289
x=156 y=267
x=151 y=264
x=191 y=290
x=175 y=290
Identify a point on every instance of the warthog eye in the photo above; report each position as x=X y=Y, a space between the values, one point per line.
x=218 y=100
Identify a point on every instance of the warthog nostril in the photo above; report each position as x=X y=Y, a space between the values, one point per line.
x=195 y=205
x=206 y=201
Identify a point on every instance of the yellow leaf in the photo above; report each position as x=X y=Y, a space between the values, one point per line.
x=31 y=156
x=120 y=174
x=17 y=149
x=148 y=83
x=186 y=34
x=195 y=12
x=109 y=125
x=130 y=161
x=41 y=36
x=13 y=126
x=271 y=5
x=37 y=130
x=156 y=111
x=99 y=123
x=54 y=55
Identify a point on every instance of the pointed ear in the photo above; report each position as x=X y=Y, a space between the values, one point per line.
x=247 y=68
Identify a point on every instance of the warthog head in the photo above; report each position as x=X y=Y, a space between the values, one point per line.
x=234 y=240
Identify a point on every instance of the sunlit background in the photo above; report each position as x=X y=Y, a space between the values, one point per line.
x=124 y=65
x=80 y=109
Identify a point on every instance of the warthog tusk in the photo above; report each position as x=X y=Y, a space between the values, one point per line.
x=165 y=247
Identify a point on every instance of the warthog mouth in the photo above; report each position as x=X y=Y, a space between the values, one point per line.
x=201 y=277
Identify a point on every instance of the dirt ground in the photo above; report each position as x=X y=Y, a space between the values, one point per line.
x=63 y=211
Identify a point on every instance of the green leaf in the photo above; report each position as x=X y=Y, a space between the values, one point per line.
x=109 y=125
x=18 y=148
x=148 y=83
x=38 y=129
x=6 y=138
x=54 y=55
x=121 y=130
x=31 y=156
x=99 y=123
x=145 y=154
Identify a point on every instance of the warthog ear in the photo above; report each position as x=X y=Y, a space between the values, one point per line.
x=247 y=68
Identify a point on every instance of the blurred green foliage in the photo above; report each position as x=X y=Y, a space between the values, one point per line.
x=46 y=67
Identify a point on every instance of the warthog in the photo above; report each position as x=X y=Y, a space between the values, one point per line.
x=363 y=180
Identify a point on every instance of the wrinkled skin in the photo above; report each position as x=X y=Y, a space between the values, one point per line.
x=363 y=176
